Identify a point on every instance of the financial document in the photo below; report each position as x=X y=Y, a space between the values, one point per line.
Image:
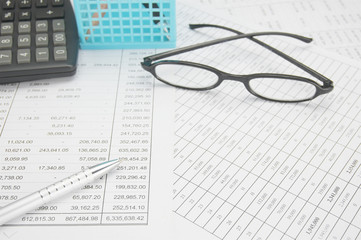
x=253 y=169
x=50 y=129
x=333 y=24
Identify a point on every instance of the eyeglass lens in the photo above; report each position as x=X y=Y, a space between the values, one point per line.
x=282 y=89
x=186 y=76
x=271 y=88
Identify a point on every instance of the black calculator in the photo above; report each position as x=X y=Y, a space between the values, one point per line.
x=38 y=39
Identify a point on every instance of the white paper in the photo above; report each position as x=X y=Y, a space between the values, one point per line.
x=333 y=24
x=253 y=169
x=50 y=129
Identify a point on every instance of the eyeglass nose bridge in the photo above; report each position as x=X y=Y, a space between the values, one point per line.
x=234 y=77
x=245 y=79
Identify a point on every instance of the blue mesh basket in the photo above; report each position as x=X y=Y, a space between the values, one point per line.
x=110 y=24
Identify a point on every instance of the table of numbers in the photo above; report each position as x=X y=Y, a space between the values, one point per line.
x=50 y=129
x=253 y=169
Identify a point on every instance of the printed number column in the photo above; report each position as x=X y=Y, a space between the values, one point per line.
x=126 y=200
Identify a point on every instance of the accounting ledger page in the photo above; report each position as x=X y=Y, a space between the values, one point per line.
x=50 y=129
x=333 y=24
x=252 y=169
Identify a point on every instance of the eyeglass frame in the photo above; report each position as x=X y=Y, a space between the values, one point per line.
x=149 y=65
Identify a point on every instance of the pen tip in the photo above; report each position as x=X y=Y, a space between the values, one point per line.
x=117 y=160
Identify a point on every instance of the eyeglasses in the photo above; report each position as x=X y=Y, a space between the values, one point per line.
x=268 y=86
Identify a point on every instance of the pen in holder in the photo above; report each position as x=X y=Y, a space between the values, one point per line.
x=110 y=24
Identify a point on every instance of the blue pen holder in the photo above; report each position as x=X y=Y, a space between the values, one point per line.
x=110 y=24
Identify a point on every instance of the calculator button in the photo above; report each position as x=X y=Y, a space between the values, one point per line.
x=8 y=4
x=60 y=54
x=7 y=28
x=41 y=26
x=59 y=39
x=41 y=3
x=6 y=42
x=42 y=54
x=49 y=13
x=57 y=3
x=5 y=57
x=24 y=40
x=58 y=25
x=25 y=4
x=7 y=16
x=23 y=56
x=24 y=27
x=24 y=15
x=41 y=40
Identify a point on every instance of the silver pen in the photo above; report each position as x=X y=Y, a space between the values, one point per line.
x=58 y=189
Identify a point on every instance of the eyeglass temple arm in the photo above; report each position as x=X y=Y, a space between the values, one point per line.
x=149 y=59
x=327 y=82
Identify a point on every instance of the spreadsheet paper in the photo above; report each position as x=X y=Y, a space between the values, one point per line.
x=253 y=169
x=50 y=129
x=333 y=24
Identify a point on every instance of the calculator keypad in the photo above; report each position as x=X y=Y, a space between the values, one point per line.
x=48 y=28
x=38 y=39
